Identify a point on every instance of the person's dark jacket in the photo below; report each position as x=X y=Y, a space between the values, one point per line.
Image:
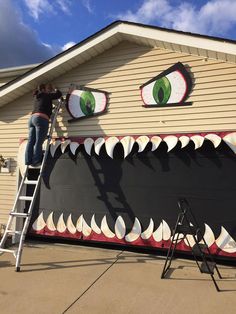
x=43 y=102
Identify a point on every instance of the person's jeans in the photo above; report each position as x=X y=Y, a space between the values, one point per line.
x=38 y=129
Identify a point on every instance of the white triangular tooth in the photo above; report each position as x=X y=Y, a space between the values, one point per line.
x=70 y=226
x=53 y=147
x=230 y=140
x=50 y=223
x=127 y=143
x=98 y=144
x=86 y=230
x=166 y=232
x=148 y=232
x=64 y=144
x=79 y=224
x=88 y=143
x=156 y=141
x=39 y=223
x=61 y=226
x=21 y=157
x=184 y=140
x=209 y=236
x=105 y=229
x=157 y=235
x=73 y=147
x=214 y=138
x=180 y=237
x=197 y=140
x=189 y=239
x=171 y=141
x=135 y=232
x=94 y=225
x=110 y=145
x=225 y=242
x=120 y=228
x=142 y=142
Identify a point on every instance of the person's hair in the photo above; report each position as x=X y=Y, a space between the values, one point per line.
x=39 y=88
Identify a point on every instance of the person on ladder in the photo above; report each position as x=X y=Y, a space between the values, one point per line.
x=39 y=122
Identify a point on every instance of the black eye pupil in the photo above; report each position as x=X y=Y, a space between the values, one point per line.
x=88 y=106
x=161 y=94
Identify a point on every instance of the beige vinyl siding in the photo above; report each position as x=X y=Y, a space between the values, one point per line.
x=13 y=126
x=120 y=71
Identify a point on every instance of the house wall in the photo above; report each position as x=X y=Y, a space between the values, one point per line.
x=120 y=71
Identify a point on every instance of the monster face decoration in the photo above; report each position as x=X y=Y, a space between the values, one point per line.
x=86 y=102
x=169 y=88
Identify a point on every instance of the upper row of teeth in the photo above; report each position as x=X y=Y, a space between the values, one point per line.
x=225 y=242
x=142 y=141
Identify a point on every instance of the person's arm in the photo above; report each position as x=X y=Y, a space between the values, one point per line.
x=55 y=95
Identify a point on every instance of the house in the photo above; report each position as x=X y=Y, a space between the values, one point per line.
x=116 y=177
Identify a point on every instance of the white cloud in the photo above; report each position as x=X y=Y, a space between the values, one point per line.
x=149 y=11
x=87 y=5
x=215 y=17
x=64 y=5
x=38 y=7
x=68 y=45
x=19 y=44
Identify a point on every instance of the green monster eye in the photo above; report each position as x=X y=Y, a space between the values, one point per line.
x=87 y=103
x=162 y=91
x=169 y=88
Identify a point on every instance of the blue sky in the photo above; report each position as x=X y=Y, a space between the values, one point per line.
x=32 y=31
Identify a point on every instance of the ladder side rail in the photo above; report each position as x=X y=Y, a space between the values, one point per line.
x=193 y=218
x=18 y=193
x=209 y=255
x=171 y=249
x=192 y=232
x=53 y=122
x=27 y=220
x=10 y=218
x=40 y=176
x=203 y=255
x=204 y=241
x=25 y=226
x=195 y=257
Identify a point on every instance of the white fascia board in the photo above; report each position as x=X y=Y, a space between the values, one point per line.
x=70 y=55
x=180 y=39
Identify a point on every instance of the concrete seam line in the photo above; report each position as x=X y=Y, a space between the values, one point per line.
x=92 y=283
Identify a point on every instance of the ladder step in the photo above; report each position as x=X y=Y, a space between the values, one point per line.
x=7 y=251
x=209 y=269
x=185 y=229
x=13 y=232
x=19 y=214
x=198 y=249
x=33 y=182
x=34 y=167
x=26 y=198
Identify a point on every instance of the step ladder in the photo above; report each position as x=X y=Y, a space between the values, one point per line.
x=25 y=217
x=187 y=224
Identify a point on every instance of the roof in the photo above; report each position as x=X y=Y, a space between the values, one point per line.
x=8 y=74
x=152 y=36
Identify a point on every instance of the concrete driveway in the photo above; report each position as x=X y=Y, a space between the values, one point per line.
x=61 y=278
